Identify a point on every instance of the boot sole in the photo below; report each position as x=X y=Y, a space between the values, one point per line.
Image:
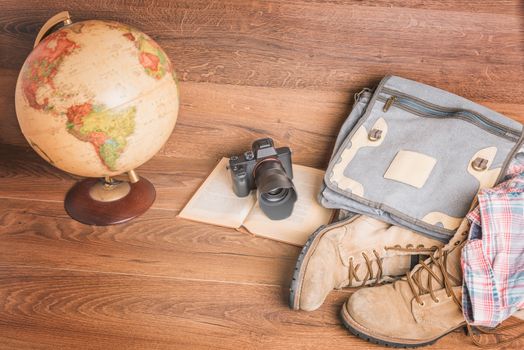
x=361 y=332
x=303 y=259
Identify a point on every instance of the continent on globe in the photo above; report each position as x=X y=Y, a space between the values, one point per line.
x=150 y=56
x=107 y=130
x=43 y=64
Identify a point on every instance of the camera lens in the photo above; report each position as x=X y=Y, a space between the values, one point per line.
x=275 y=195
x=276 y=192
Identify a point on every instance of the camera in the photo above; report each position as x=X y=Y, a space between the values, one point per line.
x=269 y=170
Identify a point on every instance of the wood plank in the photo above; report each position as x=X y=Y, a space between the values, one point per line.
x=67 y=309
x=24 y=175
x=474 y=6
x=309 y=120
x=221 y=120
x=41 y=234
x=309 y=45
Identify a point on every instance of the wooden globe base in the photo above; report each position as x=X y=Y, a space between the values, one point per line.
x=81 y=206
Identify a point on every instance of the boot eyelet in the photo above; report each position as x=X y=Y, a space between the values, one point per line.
x=422 y=304
x=437 y=301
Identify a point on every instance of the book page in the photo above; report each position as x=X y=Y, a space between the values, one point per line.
x=307 y=214
x=216 y=203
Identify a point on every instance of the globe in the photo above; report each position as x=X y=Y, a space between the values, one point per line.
x=97 y=98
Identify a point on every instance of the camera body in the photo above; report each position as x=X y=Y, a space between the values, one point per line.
x=269 y=170
x=243 y=167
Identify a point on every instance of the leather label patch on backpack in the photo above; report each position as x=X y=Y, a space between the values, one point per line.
x=411 y=168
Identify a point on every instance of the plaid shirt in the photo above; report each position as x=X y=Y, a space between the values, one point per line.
x=493 y=258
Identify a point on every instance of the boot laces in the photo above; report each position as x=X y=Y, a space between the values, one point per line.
x=439 y=260
x=353 y=268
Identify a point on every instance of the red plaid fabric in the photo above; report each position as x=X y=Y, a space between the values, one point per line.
x=493 y=258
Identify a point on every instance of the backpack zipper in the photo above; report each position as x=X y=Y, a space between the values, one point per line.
x=425 y=109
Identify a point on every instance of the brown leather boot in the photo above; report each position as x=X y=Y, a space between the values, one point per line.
x=354 y=252
x=416 y=310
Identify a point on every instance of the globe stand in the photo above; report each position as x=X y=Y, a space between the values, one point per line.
x=107 y=201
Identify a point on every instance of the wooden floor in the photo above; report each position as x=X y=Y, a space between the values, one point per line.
x=285 y=69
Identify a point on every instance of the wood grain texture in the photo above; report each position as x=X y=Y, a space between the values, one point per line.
x=287 y=69
x=25 y=175
x=309 y=120
x=155 y=244
x=108 y=310
x=308 y=44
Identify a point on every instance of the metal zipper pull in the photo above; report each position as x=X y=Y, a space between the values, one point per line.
x=389 y=102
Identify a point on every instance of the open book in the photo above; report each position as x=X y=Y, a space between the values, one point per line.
x=216 y=203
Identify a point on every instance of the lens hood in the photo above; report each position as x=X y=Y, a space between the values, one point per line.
x=275 y=190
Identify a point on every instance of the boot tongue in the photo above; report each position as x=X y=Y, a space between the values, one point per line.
x=415 y=260
x=454 y=248
x=397 y=265
x=391 y=266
